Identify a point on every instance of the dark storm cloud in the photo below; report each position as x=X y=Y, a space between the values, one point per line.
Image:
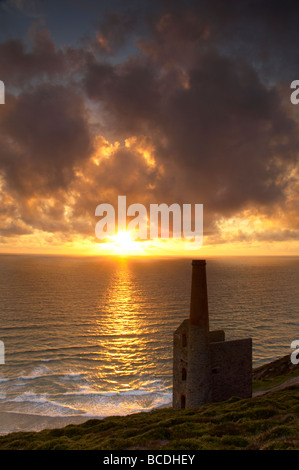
x=206 y=91
x=44 y=134
x=264 y=33
x=227 y=128
x=222 y=133
x=21 y=64
x=114 y=31
x=129 y=93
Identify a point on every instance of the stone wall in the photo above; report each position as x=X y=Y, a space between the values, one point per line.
x=219 y=369
x=180 y=361
x=231 y=369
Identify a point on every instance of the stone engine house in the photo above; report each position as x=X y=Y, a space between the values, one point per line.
x=206 y=368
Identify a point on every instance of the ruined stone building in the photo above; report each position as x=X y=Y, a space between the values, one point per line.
x=206 y=368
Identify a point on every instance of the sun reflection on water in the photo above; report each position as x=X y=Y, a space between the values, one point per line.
x=124 y=329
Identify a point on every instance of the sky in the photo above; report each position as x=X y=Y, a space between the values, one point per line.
x=184 y=102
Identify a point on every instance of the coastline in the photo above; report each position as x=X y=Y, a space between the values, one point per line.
x=267 y=422
x=271 y=376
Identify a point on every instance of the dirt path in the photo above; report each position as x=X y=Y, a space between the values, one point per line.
x=285 y=384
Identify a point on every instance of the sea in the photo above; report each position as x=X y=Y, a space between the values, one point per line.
x=90 y=337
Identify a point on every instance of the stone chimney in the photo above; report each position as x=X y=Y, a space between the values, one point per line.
x=199 y=313
x=199 y=364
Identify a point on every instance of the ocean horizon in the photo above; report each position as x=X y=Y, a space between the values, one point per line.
x=92 y=336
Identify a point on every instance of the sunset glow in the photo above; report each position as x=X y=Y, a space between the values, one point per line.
x=123 y=244
x=150 y=117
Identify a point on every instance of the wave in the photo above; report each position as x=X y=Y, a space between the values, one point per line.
x=43 y=372
x=45 y=392
x=86 y=402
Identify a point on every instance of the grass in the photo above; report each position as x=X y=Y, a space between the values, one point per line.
x=265 y=422
x=266 y=384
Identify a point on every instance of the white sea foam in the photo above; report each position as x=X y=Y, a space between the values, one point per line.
x=93 y=404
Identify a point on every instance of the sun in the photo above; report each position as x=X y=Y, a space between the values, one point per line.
x=123 y=239
x=124 y=244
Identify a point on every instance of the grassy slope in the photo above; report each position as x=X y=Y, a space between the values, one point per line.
x=265 y=422
x=274 y=373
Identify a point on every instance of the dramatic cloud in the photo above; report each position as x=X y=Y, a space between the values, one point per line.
x=20 y=64
x=182 y=105
x=44 y=135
